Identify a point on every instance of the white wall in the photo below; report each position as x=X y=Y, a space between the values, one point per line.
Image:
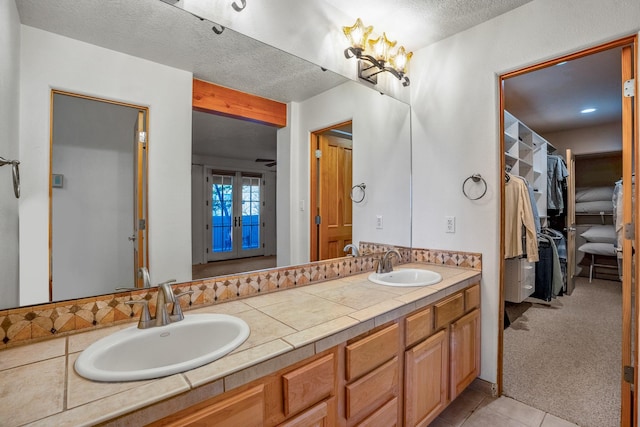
x=454 y=96
x=51 y=61
x=593 y=139
x=9 y=117
x=92 y=213
x=381 y=159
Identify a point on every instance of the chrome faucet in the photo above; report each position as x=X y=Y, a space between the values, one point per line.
x=144 y=273
x=384 y=265
x=162 y=316
x=354 y=250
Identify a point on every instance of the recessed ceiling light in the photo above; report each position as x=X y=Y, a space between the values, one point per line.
x=562 y=63
x=588 y=110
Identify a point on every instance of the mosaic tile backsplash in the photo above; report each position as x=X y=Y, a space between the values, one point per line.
x=29 y=324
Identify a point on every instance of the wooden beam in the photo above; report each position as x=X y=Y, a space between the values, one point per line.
x=214 y=99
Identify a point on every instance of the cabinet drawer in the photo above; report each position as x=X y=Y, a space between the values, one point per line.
x=244 y=409
x=448 y=310
x=387 y=416
x=370 y=352
x=308 y=384
x=318 y=416
x=377 y=386
x=418 y=326
x=472 y=298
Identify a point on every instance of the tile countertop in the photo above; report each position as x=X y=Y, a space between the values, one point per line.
x=40 y=386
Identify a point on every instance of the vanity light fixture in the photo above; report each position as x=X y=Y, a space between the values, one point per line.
x=374 y=55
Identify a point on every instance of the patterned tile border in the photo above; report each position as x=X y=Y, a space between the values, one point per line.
x=35 y=323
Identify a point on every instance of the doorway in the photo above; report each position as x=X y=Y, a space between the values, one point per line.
x=98 y=202
x=236 y=202
x=234 y=174
x=571 y=343
x=331 y=183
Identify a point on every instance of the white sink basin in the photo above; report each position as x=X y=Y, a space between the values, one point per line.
x=406 y=277
x=139 y=354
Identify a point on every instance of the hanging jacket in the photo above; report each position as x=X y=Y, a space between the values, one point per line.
x=519 y=219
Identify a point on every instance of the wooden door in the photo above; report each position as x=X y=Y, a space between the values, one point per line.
x=331 y=227
x=234 y=225
x=426 y=380
x=629 y=369
x=140 y=216
x=571 y=222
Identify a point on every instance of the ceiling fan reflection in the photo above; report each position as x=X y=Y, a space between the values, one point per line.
x=267 y=162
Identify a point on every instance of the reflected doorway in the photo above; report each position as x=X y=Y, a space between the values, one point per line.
x=331 y=181
x=234 y=170
x=98 y=203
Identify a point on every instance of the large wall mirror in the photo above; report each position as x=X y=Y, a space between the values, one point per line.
x=146 y=53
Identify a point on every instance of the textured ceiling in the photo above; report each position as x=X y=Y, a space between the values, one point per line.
x=159 y=32
x=418 y=23
x=167 y=35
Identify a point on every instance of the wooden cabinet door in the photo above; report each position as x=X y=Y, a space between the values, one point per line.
x=426 y=380
x=465 y=352
x=245 y=409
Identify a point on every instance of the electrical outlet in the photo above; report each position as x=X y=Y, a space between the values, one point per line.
x=379 y=222
x=451 y=224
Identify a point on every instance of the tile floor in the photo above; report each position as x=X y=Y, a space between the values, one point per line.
x=474 y=408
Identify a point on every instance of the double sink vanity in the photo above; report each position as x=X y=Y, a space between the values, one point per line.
x=370 y=349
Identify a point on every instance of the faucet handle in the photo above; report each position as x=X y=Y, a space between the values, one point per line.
x=176 y=312
x=167 y=282
x=184 y=293
x=378 y=264
x=145 y=316
x=125 y=288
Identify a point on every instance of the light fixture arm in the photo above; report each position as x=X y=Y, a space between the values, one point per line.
x=365 y=72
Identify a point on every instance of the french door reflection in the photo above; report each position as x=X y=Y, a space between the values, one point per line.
x=235 y=217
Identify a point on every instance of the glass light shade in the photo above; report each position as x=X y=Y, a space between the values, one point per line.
x=380 y=47
x=357 y=34
x=400 y=60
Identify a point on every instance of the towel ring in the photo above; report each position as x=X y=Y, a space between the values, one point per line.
x=15 y=171
x=361 y=186
x=476 y=177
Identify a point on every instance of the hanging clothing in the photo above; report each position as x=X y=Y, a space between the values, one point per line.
x=534 y=207
x=557 y=173
x=617 y=214
x=519 y=220
x=549 y=277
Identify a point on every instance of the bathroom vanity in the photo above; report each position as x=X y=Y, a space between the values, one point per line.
x=340 y=352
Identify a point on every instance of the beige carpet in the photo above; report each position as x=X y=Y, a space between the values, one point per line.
x=563 y=357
